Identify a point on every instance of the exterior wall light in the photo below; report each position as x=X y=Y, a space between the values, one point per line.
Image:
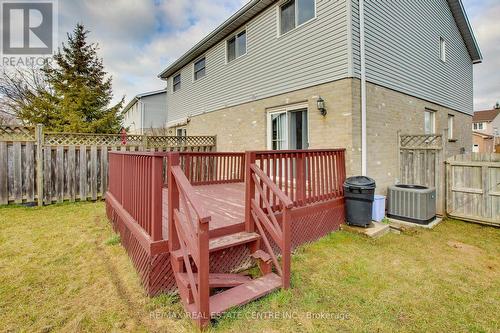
x=321 y=106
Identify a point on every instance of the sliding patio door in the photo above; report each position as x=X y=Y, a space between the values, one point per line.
x=288 y=129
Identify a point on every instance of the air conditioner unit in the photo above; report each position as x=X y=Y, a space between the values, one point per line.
x=412 y=203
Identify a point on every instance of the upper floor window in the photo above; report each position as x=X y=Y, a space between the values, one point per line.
x=177 y=82
x=429 y=122
x=295 y=13
x=479 y=126
x=237 y=46
x=199 y=69
x=442 y=49
x=181 y=132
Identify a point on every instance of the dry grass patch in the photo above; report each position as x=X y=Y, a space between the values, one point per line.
x=62 y=269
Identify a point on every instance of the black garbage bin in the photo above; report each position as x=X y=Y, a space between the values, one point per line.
x=359 y=196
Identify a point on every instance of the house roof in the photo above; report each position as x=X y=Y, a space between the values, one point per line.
x=483 y=135
x=254 y=7
x=139 y=96
x=485 y=116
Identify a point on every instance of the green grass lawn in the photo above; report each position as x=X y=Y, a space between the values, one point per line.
x=62 y=269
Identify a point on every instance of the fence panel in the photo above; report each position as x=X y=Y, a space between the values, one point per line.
x=473 y=188
x=56 y=167
x=421 y=162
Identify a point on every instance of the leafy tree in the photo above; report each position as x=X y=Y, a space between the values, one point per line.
x=73 y=95
x=497 y=106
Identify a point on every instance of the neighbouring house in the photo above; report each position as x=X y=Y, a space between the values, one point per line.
x=323 y=74
x=146 y=113
x=485 y=130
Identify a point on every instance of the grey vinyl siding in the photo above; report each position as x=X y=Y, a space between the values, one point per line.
x=155 y=111
x=402 y=51
x=312 y=54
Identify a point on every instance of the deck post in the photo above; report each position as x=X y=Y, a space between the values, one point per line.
x=286 y=248
x=250 y=158
x=173 y=201
x=156 y=198
x=301 y=178
x=203 y=275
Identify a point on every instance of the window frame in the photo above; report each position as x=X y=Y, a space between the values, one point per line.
x=442 y=49
x=278 y=16
x=197 y=71
x=179 y=83
x=183 y=131
x=451 y=127
x=235 y=36
x=432 y=119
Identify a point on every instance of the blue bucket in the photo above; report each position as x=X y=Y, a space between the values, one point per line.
x=378 y=211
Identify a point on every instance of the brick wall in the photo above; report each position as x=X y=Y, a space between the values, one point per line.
x=243 y=127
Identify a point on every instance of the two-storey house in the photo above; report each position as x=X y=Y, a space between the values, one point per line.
x=146 y=113
x=330 y=73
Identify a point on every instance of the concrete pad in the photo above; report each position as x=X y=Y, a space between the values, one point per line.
x=375 y=230
x=399 y=225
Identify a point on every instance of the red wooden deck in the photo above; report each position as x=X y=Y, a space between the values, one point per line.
x=190 y=225
x=225 y=203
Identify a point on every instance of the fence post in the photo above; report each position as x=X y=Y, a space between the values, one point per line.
x=39 y=138
x=145 y=142
x=249 y=190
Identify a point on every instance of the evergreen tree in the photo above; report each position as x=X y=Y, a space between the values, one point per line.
x=81 y=88
x=72 y=95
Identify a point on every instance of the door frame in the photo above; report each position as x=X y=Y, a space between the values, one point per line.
x=285 y=109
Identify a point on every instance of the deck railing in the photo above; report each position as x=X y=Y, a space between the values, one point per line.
x=305 y=176
x=135 y=181
x=188 y=232
x=206 y=168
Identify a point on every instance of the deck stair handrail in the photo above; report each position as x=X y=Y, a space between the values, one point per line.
x=265 y=219
x=189 y=233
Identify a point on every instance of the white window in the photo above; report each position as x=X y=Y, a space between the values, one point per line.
x=479 y=126
x=430 y=122
x=288 y=129
x=181 y=132
x=177 y=82
x=475 y=149
x=199 y=69
x=237 y=46
x=451 y=124
x=496 y=132
x=442 y=49
x=295 y=13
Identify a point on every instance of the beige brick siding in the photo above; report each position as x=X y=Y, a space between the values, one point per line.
x=243 y=127
x=388 y=112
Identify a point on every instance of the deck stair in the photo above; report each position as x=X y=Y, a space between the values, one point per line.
x=206 y=294
x=239 y=289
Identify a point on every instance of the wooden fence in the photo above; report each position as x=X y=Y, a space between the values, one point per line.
x=44 y=168
x=421 y=162
x=473 y=188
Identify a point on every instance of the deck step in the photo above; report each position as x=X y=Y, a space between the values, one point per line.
x=261 y=255
x=216 y=280
x=241 y=295
x=225 y=242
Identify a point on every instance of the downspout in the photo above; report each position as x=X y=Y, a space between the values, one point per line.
x=364 y=144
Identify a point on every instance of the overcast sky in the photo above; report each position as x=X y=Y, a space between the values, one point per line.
x=138 y=39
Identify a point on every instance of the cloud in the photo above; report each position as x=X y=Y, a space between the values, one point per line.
x=138 y=39
x=484 y=16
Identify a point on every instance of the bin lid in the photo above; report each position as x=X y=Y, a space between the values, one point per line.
x=360 y=181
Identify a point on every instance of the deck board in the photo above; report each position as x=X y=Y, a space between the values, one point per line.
x=224 y=202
